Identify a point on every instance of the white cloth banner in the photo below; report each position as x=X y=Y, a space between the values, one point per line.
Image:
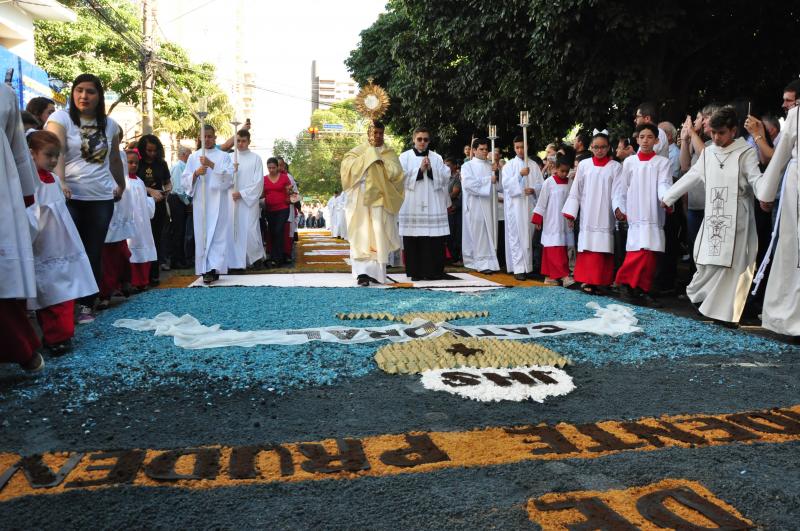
x=189 y=333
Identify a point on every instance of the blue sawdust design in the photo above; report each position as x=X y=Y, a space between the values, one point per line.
x=107 y=359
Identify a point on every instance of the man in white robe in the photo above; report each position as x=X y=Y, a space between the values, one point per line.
x=207 y=180
x=726 y=247
x=522 y=184
x=372 y=178
x=781 y=311
x=423 y=216
x=479 y=229
x=246 y=246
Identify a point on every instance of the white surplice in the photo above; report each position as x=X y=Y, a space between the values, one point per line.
x=17 y=180
x=782 y=297
x=247 y=246
x=590 y=196
x=63 y=272
x=726 y=246
x=122 y=224
x=143 y=207
x=518 y=209
x=424 y=210
x=555 y=229
x=210 y=209
x=637 y=192
x=478 y=246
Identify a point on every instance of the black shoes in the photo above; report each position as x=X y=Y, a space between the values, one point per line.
x=520 y=276
x=363 y=280
x=210 y=276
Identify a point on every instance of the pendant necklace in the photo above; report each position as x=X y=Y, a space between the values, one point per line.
x=722 y=162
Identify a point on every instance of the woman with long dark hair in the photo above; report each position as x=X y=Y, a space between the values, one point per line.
x=90 y=169
x=154 y=173
x=277 y=188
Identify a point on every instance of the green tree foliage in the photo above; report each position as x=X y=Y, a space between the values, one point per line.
x=316 y=163
x=457 y=65
x=65 y=50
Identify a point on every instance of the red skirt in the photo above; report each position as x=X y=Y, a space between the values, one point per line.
x=638 y=269
x=140 y=274
x=19 y=338
x=57 y=322
x=555 y=262
x=116 y=268
x=596 y=269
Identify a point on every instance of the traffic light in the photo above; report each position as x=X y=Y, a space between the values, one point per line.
x=313 y=132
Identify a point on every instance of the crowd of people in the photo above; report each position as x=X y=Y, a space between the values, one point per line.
x=84 y=220
x=604 y=214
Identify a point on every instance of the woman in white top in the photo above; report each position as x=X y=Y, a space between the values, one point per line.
x=90 y=170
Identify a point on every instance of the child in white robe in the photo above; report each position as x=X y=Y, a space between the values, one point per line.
x=637 y=193
x=557 y=236
x=141 y=245
x=726 y=248
x=590 y=195
x=63 y=272
x=116 y=255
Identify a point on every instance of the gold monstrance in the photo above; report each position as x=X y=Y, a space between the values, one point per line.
x=372 y=102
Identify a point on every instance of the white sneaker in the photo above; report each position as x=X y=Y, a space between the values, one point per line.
x=567 y=281
x=85 y=315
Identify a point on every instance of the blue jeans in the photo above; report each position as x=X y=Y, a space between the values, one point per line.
x=92 y=219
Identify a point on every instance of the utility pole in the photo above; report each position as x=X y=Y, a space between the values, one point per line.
x=148 y=77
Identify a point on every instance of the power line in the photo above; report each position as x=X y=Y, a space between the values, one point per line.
x=191 y=11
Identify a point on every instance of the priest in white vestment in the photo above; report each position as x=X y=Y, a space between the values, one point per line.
x=17 y=181
x=246 y=246
x=207 y=180
x=522 y=184
x=726 y=247
x=341 y=218
x=423 y=216
x=330 y=214
x=372 y=178
x=479 y=228
x=781 y=311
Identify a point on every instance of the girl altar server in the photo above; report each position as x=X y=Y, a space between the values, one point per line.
x=141 y=245
x=116 y=255
x=590 y=196
x=556 y=233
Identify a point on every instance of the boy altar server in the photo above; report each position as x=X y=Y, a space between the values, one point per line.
x=522 y=184
x=423 y=216
x=726 y=247
x=637 y=193
x=246 y=246
x=63 y=272
x=207 y=180
x=479 y=228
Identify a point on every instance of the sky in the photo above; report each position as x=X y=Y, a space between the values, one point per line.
x=277 y=39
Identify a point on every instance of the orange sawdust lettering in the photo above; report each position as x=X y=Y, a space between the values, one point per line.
x=166 y=467
x=350 y=458
x=421 y=450
x=123 y=468
x=667 y=504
